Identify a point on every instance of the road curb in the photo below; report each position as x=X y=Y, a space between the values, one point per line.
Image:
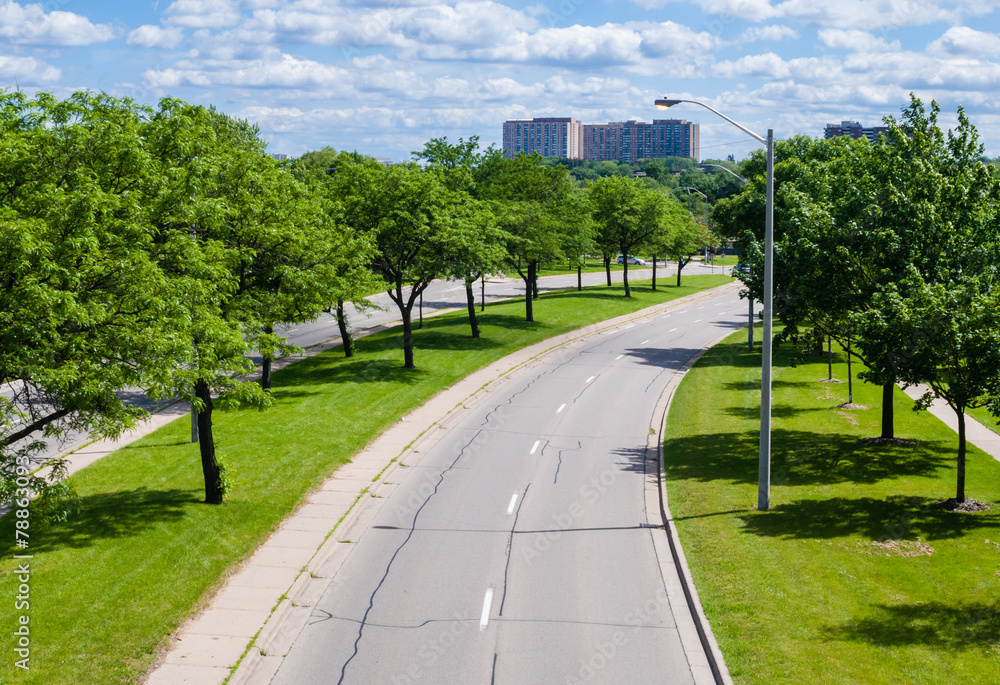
x=713 y=670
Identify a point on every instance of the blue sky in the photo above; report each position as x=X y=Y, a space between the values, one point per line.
x=384 y=76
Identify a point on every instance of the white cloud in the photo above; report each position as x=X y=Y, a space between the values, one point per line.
x=27 y=70
x=859 y=14
x=465 y=24
x=210 y=14
x=32 y=25
x=767 y=65
x=962 y=40
x=775 y=32
x=600 y=45
x=772 y=67
x=149 y=36
x=274 y=70
x=668 y=38
x=867 y=14
x=855 y=40
x=751 y=10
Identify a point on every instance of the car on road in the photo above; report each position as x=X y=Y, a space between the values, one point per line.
x=632 y=260
x=742 y=269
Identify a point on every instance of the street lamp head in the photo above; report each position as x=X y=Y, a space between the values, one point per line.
x=665 y=104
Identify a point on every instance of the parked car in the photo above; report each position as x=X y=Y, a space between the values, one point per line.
x=632 y=260
x=741 y=268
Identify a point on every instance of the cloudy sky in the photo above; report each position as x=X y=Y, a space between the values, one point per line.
x=384 y=76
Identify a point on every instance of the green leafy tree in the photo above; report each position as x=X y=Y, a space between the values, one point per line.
x=628 y=215
x=833 y=247
x=532 y=204
x=86 y=310
x=478 y=245
x=408 y=213
x=939 y=317
x=205 y=213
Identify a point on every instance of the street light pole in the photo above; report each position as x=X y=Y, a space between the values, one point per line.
x=764 y=465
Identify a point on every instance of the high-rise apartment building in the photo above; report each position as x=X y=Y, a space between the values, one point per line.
x=549 y=137
x=622 y=141
x=628 y=141
x=855 y=130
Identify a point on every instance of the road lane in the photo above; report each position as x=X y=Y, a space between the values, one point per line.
x=516 y=549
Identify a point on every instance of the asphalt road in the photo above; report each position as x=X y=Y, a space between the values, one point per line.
x=439 y=295
x=515 y=551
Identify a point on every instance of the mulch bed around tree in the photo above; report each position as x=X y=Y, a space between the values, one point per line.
x=967 y=505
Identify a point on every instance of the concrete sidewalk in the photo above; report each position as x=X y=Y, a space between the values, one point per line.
x=975 y=432
x=254 y=619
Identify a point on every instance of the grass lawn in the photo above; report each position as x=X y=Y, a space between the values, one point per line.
x=853 y=576
x=983 y=416
x=109 y=586
x=556 y=269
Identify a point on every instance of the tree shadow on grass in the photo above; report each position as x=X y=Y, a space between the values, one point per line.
x=616 y=294
x=322 y=371
x=893 y=518
x=516 y=323
x=934 y=624
x=107 y=515
x=779 y=411
x=800 y=458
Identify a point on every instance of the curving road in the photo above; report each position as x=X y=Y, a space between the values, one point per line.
x=516 y=550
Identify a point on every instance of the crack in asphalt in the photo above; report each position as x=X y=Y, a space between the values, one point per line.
x=413 y=526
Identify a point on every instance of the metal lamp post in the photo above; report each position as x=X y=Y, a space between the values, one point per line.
x=764 y=466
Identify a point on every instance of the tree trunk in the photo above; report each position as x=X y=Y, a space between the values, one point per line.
x=206 y=443
x=528 y=316
x=628 y=291
x=471 y=299
x=829 y=357
x=817 y=341
x=265 y=367
x=579 y=277
x=960 y=490
x=345 y=335
x=680 y=265
x=888 y=389
x=407 y=337
x=850 y=377
x=482 y=294
x=607 y=267
x=533 y=270
x=654 y=272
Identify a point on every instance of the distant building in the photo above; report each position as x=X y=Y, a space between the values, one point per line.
x=384 y=160
x=628 y=141
x=623 y=141
x=549 y=137
x=855 y=130
x=280 y=157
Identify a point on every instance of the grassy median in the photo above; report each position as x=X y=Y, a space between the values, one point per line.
x=854 y=575
x=109 y=586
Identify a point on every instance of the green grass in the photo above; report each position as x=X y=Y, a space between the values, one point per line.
x=555 y=269
x=816 y=590
x=108 y=586
x=983 y=416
